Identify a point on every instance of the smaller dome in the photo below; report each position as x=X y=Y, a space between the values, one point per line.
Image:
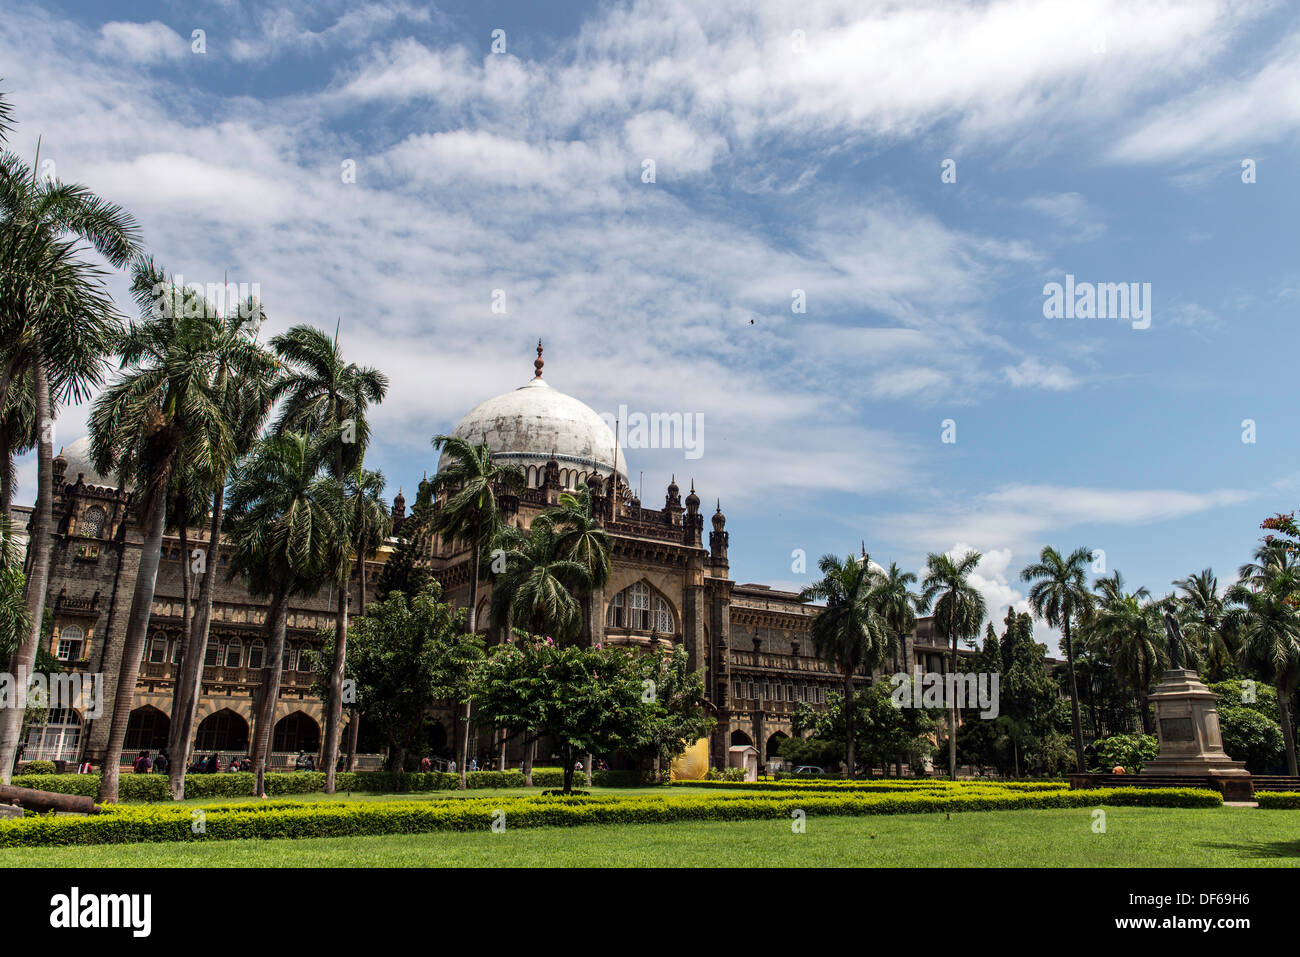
x=692 y=500
x=77 y=455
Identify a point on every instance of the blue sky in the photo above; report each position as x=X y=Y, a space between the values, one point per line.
x=796 y=146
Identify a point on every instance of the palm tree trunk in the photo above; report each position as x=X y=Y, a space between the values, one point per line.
x=180 y=691
x=269 y=692
x=848 y=723
x=40 y=536
x=1076 y=721
x=334 y=717
x=190 y=681
x=529 y=750
x=473 y=629
x=1288 y=729
x=952 y=718
x=137 y=628
x=354 y=725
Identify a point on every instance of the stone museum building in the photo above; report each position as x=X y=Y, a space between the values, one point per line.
x=669 y=582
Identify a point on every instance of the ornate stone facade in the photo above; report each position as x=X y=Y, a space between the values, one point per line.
x=667 y=583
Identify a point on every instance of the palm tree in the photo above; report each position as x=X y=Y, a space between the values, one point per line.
x=898 y=604
x=1129 y=629
x=369 y=522
x=539 y=586
x=1202 y=609
x=159 y=421
x=958 y=613
x=325 y=395
x=243 y=380
x=1059 y=595
x=1265 y=622
x=13 y=609
x=286 y=519
x=57 y=324
x=471 y=515
x=850 y=632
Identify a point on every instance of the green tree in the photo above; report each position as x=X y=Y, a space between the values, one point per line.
x=469 y=513
x=286 y=521
x=243 y=375
x=406 y=654
x=57 y=327
x=1131 y=632
x=1201 y=611
x=673 y=696
x=538 y=586
x=958 y=613
x=850 y=632
x=1059 y=595
x=328 y=397
x=1263 y=620
x=585 y=699
x=897 y=604
x=158 y=423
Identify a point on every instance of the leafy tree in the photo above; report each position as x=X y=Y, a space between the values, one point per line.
x=407 y=654
x=1251 y=737
x=285 y=524
x=850 y=632
x=958 y=613
x=1059 y=595
x=585 y=699
x=673 y=697
x=898 y=605
x=579 y=538
x=1129 y=751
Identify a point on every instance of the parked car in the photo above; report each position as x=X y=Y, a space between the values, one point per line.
x=809 y=770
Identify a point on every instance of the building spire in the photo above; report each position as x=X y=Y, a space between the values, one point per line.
x=539 y=361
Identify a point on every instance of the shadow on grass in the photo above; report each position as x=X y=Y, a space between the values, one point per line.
x=1261 y=849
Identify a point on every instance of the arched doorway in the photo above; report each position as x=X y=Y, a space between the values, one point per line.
x=740 y=738
x=774 y=746
x=296 y=732
x=223 y=730
x=146 y=730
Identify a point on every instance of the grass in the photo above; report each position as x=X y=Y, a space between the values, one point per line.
x=1135 y=837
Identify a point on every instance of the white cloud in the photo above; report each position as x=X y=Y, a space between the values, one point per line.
x=152 y=42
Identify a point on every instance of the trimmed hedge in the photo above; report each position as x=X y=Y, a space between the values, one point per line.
x=288 y=819
x=901 y=786
x=1279 y=800
x=153 y=787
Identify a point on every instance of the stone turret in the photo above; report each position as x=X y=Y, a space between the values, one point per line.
x=718 y=539
x=694 y=522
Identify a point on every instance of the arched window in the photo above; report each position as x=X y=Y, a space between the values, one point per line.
x=157 y=651
x=234 y=653
x=213 y=654
x=71 y=640
x=256 y=655
x=92 y=522
x=639 y=609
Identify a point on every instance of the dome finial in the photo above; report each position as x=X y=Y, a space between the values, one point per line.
x=539 y=361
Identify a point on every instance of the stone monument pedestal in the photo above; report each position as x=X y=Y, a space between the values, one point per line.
x=1187 y=724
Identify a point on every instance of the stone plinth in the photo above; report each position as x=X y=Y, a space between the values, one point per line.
x=1187 y=724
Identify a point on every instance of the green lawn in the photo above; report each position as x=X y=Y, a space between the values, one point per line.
x=1135 y=837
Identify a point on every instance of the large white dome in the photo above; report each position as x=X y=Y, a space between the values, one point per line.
x=529 y=425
